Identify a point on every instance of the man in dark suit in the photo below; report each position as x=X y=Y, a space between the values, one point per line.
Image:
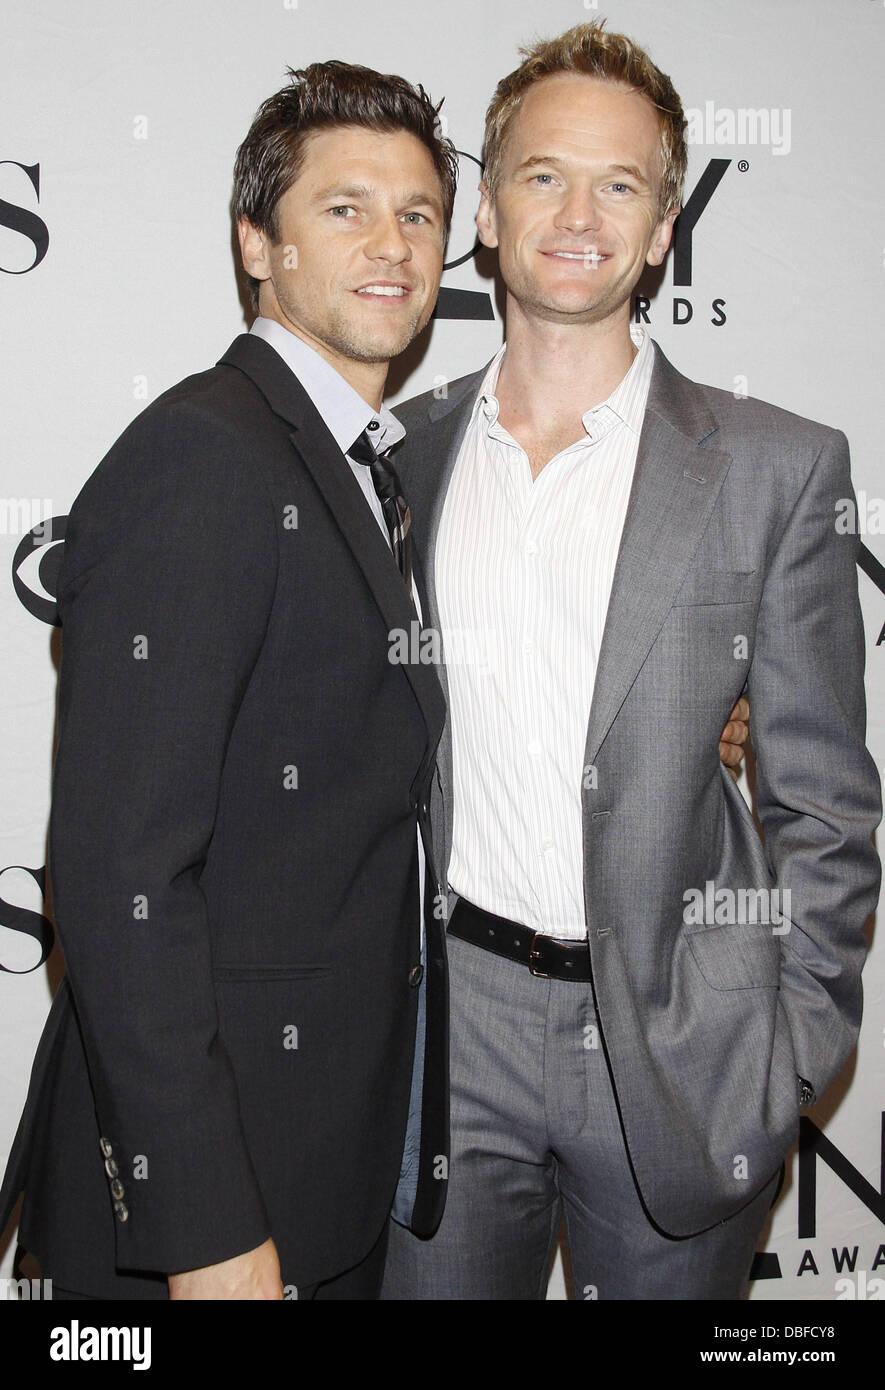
x=228 y=1096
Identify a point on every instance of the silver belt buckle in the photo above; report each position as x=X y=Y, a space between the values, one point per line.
x=535 y=954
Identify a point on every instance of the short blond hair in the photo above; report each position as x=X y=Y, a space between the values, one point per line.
x=588 y=49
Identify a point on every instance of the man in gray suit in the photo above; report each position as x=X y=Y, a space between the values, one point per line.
x=643 y=993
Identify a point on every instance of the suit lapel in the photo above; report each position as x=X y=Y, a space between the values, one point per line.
x=675 y=486
x=432 y=447
x=334 y=479
x=440 y=442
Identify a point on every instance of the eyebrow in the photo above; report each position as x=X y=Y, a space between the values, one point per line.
x=420 y=197
x=557 y=163
x=630 y=169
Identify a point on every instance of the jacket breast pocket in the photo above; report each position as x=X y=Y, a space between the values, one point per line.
x=259 y=970
x=715 y=586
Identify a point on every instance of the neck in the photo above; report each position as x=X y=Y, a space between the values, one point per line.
x=561 y=367
x=367 y=378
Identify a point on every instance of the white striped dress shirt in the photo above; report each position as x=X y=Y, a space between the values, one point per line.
x=523 y=574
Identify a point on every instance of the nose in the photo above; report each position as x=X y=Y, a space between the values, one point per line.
x=386 y=240
x=579 y=211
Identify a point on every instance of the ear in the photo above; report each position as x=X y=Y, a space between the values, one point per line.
x=486 y=223
x=254 y=250
x=663 y=235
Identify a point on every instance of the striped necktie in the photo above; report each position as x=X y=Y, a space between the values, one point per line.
x=394 y=506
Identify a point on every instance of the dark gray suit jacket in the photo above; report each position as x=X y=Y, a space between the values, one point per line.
x=731 y=577
x=233 y=857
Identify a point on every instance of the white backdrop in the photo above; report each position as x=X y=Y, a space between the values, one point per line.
x=119 y=125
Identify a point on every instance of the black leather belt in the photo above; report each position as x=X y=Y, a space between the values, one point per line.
x=545 y=956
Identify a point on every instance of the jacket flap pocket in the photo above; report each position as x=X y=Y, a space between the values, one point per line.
x=715 y=586
x=739 y=956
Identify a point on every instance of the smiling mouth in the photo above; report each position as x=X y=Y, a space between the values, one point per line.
x=384 y=291
x=588 y=257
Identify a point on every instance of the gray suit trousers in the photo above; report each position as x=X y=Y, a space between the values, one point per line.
x=536 y=1138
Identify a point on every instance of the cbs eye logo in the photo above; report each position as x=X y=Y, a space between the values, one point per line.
x=35 y=567
x=454 y=303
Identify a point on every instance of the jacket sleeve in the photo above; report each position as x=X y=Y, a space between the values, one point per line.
x=166 y=586
x=817 y=788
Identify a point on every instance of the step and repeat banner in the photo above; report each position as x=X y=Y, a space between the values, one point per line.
x=119 y=125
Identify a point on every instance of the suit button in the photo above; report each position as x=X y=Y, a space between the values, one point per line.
x=110 y=1167
x=121 y=1211
x=105 y=1146
x=117 y=1189
x=416 y=975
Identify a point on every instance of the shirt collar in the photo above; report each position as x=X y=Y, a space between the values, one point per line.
x=629 y=397
x=627 y=401
x=343 y=409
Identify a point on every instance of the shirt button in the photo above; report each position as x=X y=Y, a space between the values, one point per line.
x=122 y=1211
x=531 y=548
x=105 y=1146
x=536 y=748
x=111 y=1168
x=547 y=846
x=373 y=425
x=416 y=975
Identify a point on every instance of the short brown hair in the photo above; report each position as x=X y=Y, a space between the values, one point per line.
x=320 y=97
x=588 y=49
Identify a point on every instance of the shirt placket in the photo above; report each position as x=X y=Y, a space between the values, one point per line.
x=528 y=675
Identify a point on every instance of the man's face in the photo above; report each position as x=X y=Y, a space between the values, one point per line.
x=357 y=266
x=576 y=216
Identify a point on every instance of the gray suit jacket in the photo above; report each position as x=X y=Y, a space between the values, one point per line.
x=731 y=577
